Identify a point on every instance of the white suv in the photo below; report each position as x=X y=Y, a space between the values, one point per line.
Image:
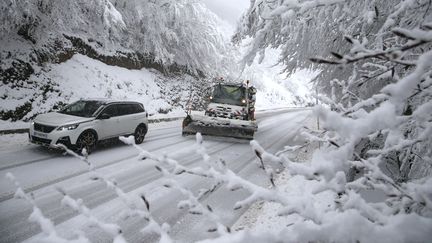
x=83 y=123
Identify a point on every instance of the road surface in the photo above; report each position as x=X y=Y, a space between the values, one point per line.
x=40 y=171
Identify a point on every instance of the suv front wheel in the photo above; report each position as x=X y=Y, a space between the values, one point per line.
x=86 y=140
x=140 y=133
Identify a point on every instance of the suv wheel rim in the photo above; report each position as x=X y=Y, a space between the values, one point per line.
x=87 y=141
x=139 y=135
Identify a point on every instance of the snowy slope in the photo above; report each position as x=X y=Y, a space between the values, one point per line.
x=83 y=77
x=276 y=88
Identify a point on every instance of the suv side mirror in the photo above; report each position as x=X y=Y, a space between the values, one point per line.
x=104 y=116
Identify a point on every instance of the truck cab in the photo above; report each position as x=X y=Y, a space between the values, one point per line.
x=232 y=101
x=229 y=113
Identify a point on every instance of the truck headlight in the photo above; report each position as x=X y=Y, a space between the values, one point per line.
x=68 y=127
x=243 y=101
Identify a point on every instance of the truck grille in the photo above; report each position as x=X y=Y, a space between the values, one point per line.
x=43 y=128
x=224 y=109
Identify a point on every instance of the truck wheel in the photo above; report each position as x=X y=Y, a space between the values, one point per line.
x=140 y=133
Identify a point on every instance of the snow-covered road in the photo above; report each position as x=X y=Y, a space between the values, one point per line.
x=40 y=171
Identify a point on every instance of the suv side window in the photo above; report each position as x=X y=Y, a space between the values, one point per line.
x=138 y=108
x=111 y=110
x=125 y=109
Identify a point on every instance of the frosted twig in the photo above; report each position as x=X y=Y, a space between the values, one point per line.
x=112 y=229
x=133 y=202
x=46 y=225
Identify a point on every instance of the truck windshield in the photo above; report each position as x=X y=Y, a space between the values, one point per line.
x=228 y=94
x=82 y=108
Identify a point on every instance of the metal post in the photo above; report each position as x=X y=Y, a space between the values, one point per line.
x=318 y=122
x=247 y=100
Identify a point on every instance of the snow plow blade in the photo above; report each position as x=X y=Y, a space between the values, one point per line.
x=215 y=126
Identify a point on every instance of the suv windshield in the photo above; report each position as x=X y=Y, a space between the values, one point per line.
x=82 y=108
x=228 y=94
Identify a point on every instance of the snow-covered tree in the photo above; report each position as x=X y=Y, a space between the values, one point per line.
x=182 y=33
x=381 y=39
x=376 y=58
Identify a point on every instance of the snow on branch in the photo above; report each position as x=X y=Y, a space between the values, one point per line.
x=137 y=205
x=112 y=229
x=47 y=226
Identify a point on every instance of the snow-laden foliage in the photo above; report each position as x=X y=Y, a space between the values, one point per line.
x=309 y=28
x=375 y=57
x=46 y=225
x=376 y=124
x=183 y=32
x=331 y=210
x=136 y=205
x=171 y=32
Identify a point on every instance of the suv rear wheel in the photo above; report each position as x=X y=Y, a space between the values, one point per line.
x=86 y=140
x=140 y=133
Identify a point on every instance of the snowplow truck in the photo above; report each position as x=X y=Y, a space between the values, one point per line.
x=230 y=113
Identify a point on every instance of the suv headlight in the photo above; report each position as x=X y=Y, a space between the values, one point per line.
x=68 y=127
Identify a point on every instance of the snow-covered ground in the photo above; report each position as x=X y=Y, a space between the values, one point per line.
x=134 y=176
